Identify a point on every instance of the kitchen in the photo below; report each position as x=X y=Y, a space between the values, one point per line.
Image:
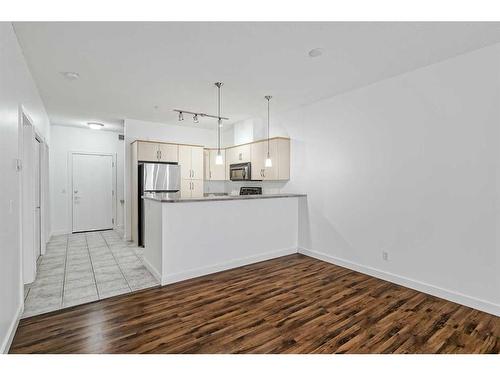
x=167 y=173
x=174 y=204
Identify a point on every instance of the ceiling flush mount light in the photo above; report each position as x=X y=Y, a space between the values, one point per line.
x=95 y=125
x=71 y=76
x=315 y=52
x=181 y=117
x=269 y=162
x=195 y=118
x=218 y=158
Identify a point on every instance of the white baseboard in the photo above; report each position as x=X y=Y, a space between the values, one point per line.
x=151 y=269
x=202 y=271
x=12 y=330
x=58 y=233
x=475 y=303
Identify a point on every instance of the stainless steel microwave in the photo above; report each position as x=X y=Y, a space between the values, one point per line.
x=240 y=172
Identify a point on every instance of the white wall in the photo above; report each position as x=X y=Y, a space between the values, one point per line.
x=16 y=88
x=411 y=166
x=65 y=140
x=153 y=131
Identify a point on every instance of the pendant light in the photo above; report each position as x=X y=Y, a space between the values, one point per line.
x=269 y=162
x=218 y=158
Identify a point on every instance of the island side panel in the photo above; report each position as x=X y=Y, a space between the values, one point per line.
x=153 y=237
x=205 y=237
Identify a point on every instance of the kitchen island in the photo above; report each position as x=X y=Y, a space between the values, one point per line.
x=190 y=237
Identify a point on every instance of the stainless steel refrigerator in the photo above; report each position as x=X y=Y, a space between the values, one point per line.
x=155 y=178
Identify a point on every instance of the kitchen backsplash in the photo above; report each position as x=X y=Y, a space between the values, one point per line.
x=230 y=187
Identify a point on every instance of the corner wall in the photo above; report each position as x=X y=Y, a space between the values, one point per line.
x=66 y=139
x=17 y=87
x=409 y=166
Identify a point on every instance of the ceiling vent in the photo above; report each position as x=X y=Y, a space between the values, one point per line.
x=121 y=137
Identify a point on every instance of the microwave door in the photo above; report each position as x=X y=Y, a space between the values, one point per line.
x=238 y=174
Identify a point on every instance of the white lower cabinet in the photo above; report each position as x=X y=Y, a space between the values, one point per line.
x=191 y=188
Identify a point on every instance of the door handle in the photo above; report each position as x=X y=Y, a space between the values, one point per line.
x=160 y=155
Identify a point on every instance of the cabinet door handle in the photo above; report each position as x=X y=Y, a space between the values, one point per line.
x=160 y=154
x=193 y=172
x=210 y=174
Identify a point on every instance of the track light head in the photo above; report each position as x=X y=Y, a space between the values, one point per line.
x=195 y=118
x=181 y=116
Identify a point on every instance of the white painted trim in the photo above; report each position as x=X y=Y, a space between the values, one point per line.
x=202 y=271
x=151 y=269
x=475 y=303
x=12 y=329
x=59 y=232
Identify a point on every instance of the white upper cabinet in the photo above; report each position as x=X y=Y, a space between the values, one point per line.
x=197 y=162
x=206 y=164
x=259 y=156
x=147 y=151
x=168 y=152
x=215 y=172
x=191 y=162
x=157 y=152
x=283 y=159
x=238 y=154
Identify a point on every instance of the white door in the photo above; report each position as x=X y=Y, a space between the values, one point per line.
x=92 y=192
x=37 y=198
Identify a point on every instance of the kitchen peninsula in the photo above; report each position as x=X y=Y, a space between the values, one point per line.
x=190 y=237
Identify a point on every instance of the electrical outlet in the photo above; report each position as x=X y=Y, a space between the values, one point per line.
x=385 y=256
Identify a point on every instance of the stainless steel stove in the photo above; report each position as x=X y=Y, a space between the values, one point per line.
x=250 y=190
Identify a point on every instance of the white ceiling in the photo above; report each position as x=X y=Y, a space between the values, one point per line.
x=126 y=69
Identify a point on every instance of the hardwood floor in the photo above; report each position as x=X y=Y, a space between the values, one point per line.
x=293 y=304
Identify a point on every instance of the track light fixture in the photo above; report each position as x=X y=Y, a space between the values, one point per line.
x=181 y=117
x=195 y=118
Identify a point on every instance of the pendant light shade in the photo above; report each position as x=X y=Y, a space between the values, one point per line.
x=218 y=159
x=269 y=162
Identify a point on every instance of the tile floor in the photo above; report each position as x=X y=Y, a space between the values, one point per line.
x=85 y=267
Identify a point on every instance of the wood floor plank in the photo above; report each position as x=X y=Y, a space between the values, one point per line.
x=293 y=304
